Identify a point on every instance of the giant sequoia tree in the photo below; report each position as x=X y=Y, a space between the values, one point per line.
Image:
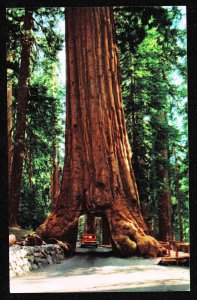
x=98 y=177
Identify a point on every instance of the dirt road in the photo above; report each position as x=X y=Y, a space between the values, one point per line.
x=97 y=271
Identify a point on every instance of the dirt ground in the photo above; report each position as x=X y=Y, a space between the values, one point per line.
x=98 y=271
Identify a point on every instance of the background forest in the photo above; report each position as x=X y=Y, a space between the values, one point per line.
x=152 y=51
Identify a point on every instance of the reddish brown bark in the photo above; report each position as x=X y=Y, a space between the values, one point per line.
x=19 y=146
x=9 y=117
x=165 y=207
x=98 y=176
x=177 y=186
x=55 y=187
x=162 y=173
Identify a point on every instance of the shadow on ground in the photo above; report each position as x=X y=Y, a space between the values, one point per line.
x=99 y=271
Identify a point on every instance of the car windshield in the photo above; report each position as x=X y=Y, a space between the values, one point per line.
x=87 y=236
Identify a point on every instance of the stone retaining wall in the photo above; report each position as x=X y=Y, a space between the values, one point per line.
x=23 y=259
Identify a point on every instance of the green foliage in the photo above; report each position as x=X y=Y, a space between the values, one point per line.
x=153 y=59
x=36 y=191
x=152 y=53
x=48 y=40
x=81 y=222
x=35 y=201
x=45 y=109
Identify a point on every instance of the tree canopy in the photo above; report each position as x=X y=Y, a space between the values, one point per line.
x=152 y=52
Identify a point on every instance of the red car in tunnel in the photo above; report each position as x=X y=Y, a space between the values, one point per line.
x=88 y=240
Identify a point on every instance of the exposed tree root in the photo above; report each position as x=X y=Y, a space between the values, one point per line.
x=60 y=225
x=128 y=238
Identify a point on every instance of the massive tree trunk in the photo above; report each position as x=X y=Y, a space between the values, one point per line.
x=19 y=144
x=98 y=177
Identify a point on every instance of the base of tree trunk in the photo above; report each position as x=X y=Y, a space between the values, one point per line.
x=128 y=234
x=60 y=225
x=127 y=237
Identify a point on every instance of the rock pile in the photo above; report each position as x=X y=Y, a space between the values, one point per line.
x=26 y=258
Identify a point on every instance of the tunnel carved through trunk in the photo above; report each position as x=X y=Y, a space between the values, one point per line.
x=98 y=175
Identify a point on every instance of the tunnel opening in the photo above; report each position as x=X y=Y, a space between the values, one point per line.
x=94 y=224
